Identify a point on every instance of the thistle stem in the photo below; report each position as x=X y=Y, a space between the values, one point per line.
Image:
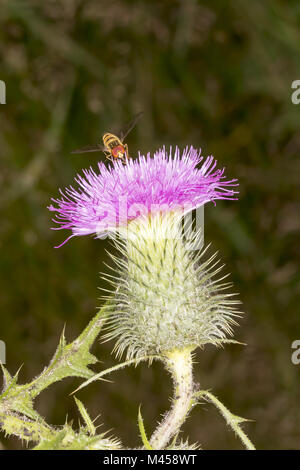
x=179 y=364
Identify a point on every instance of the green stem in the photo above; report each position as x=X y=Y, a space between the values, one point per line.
x=179 y=363
x=143 y=432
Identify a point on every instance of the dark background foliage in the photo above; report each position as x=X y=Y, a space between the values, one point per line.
x=213 y=74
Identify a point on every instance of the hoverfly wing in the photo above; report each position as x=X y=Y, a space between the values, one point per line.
x=90 y=148
x=130 y=126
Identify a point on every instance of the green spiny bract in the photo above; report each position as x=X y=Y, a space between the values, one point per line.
x=184 y=445
x=67 y=439
x=165 y=296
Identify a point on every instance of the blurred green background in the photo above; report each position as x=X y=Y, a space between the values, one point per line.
x=216 y=75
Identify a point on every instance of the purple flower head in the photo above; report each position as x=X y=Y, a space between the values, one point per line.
x=116 y=195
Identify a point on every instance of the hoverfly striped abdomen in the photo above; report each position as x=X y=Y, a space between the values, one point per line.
x=110 y=141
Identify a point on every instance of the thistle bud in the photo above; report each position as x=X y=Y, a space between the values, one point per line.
x=166 y=297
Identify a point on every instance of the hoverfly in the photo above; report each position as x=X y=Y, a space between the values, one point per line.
x=113 y=147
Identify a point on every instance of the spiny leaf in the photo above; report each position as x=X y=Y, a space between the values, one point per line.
x=89 y=424
x=232 y=420
x=53 y=443
x=60 y=348
x=68 y=439
x=7 y=378
x=183 y=445
x=12 y=383
x=142 y=431
x=25 y=407
x=24 y=428
x=69 y=360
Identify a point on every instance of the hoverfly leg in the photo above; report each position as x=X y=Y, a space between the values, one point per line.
x=127 y=156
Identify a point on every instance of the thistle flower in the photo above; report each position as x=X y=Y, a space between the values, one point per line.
x=109 y=200
x=165 y=297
